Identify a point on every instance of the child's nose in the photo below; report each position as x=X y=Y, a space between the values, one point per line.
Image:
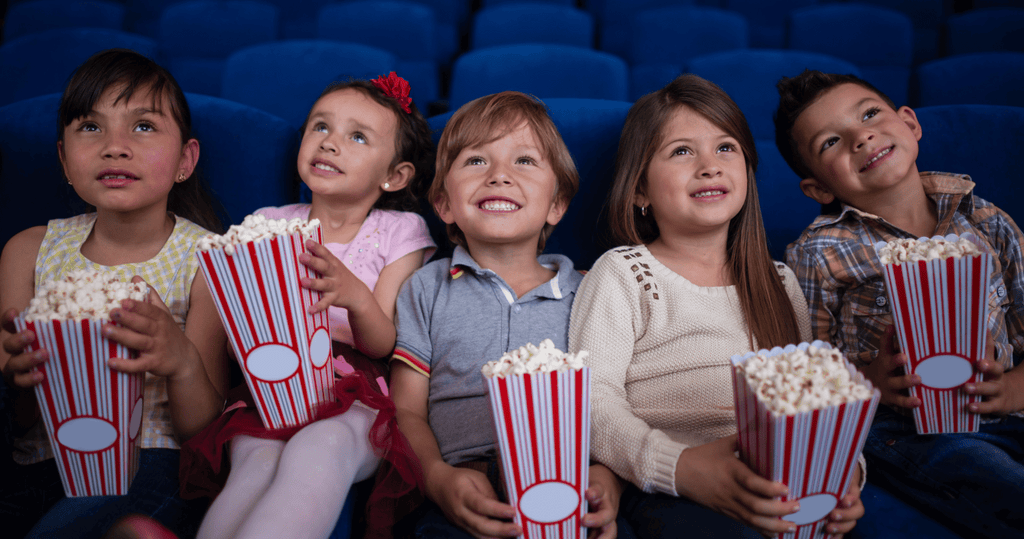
x=328 y=145
x=116 y=146
x=862 y=137
x=709 y=167
x=500 y=175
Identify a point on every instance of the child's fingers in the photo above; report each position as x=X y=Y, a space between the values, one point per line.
x=319 y=306
x=608 y=531
x=993 y=406
x=903 y=401
x=17 y=342
x=770 y=525
x=314 y=263
x=904 y=381
x=490 y=507
x=128 y=366
x=758 y=485
x=7 y=320
x=23 y=370
x=320 y=285
x=135 y=321
x=481 y=525
x=128 y=337
x=992 y=369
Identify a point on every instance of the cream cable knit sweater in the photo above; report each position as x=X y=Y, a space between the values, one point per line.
x=659 y=357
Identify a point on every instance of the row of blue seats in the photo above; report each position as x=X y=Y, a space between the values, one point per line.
x=196 y=34
x=248 y=158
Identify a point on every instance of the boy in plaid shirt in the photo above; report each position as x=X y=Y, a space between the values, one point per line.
x=856 y=153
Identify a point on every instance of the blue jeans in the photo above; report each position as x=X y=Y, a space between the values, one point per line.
x=660 y=516
x=972 y=482
x=154 y=492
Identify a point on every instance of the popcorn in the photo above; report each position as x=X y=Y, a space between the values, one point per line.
x=801 y=381
x=255 y=228
x=910 y=250
x=81 y=295
x=532 y=359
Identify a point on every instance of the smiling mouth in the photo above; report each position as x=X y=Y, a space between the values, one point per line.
x=710 y=193
x=499 y=205
x=878 y=156
x=328 y=168
x=117 y=177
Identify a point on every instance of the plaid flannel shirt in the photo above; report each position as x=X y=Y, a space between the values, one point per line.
x=835 y=262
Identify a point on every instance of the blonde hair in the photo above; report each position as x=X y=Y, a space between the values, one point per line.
x=490 y=118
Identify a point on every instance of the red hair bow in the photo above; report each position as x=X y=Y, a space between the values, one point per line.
x=394 y=87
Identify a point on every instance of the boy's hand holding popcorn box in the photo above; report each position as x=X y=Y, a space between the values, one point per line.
x=92 y=414
x=540 y=398
x=253 y=272
x=803 y=414
x=938 y=289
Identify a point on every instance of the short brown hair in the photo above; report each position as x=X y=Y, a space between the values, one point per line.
x=763 y=298
x=490 y=118
x=413 y=144
x=795 y=95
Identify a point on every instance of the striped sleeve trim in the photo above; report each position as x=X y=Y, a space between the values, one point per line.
x=410 y=359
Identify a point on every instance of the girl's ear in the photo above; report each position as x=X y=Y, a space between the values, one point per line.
x=400 y=177
x=189 y=157
x=63 y=159
x=640 y=200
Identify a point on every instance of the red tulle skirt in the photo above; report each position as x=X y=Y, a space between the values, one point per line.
x=205 y=464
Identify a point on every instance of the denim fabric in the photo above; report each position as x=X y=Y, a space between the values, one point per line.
x=972 y=482
x=27 y=492
x=154 y=492
x=660 y=516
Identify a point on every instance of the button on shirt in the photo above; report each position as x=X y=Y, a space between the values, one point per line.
x=453 y=317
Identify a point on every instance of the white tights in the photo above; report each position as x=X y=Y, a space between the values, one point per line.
x=294 y=489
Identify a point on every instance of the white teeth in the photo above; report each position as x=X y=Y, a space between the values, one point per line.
x=499 y=205
x=877 y=157
x=328 y=168
x=703 y=194
x=114 y=177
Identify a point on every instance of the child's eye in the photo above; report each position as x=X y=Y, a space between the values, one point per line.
x=320 y=126
x=682 y=150
x=88 y=126
x=145 y=126
x=727 y=147
x=475 y=161
x=359 y=138
x=871 y=113
x=829 y=142
x=526 y=160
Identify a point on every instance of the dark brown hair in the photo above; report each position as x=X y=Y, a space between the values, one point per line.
x=795 y=95
x=763 y=298
x=490 y=118
x=412 y=144
x=134 y=72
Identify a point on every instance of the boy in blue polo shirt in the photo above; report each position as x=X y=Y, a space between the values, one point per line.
x=504 y=180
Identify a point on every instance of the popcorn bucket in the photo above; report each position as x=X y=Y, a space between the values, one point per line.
x=543 y=427
x=284 y=351
x=813 y=453
x=940 y=309
x=92 y=414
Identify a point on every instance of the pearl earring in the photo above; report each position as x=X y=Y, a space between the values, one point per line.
x=643 y=211
x=181 y=177
x=386 y=185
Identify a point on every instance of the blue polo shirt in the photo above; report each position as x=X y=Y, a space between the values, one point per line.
x=453 y=317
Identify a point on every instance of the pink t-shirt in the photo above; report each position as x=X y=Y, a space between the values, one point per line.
x=384 y=237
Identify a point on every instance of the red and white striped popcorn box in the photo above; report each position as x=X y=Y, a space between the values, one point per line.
x=284 y=351
x=543 y=429
x=814 y=453
x=940 y=309
x=92 y=414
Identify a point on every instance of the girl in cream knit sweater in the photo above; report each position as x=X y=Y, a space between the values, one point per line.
x=662 y=318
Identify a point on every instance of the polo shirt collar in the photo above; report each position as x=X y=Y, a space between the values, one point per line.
x=565 y=281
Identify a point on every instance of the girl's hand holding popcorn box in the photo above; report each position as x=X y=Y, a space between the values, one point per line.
x=803 y=414
x=92 y=414
x=253 y=272
x=540 y=399
x=938 y=289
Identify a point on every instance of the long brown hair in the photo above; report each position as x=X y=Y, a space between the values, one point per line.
x=763 y=298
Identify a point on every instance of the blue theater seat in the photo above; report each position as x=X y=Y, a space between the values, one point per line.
x=839 y=29
x=749 y=77
x=989 y=78
x=531 y=22
x=542 y=70
x=927 y=16
x=784 y=207
x=39 y=15
x=767 y=22
x=41 y=63
x=613 y=18
x=980 y=140
x=451 y=17
x=590 y=129
x=285 y=78
x=197 y=36
x=405 y=29
x=666 y=39
x=493 y=3
x=985 y=30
